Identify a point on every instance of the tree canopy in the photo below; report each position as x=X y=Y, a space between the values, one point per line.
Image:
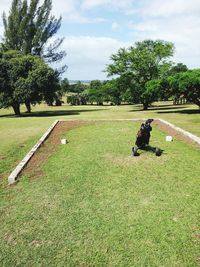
x=29 y=28
x=140 y=64
x=25 y=79
x=187 y=84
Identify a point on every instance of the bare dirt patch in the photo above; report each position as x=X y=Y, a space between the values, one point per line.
x=33 y=168
x=2 y=157
x=129 y=160
x=175 y=134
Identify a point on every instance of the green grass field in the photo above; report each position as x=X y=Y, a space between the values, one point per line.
x=96 y=205
x=18 y=135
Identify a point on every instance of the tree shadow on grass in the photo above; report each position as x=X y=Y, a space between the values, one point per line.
x=167 y=105
x=185 y=111
x=51 y=113
x=160 y=108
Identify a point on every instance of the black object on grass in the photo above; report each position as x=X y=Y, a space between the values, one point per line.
x=143 y=138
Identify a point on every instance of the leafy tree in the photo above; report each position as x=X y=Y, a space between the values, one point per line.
x=77 y=99
x=152 y=91
x=25 y=79
x=165 y=89
x=64 y=85
x=78 y=87
x=96 y=93
x=180 y=67
x=29 y=27
x=113 y=91
x=187 y=84
x=71 y=99
x=140 y=64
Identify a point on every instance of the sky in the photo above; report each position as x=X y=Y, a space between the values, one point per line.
x=96 y=29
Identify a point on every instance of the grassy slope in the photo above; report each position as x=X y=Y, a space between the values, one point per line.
x=97 y=206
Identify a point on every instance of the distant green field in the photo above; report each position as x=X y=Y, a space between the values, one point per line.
x=96 y=205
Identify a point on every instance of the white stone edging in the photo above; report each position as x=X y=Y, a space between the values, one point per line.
x=188 y=134
x=15 y=174
x=140 y=119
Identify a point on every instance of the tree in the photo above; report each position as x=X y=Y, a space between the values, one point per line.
x=187 y=84
x=25 y=79
x=77 y=88
x=28 y=28
x=179 y=67
x=152 y=90
x=140 y=64
x=64 y=85
x=77 y=99
x=96 y=94
x=113 y=91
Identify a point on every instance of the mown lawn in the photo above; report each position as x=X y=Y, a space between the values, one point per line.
x=96 y=205
x=18 y=135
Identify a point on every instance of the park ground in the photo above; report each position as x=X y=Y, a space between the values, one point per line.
x=92 y=204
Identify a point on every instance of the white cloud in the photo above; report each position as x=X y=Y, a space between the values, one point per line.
x=116 y=26
x=177 y=21
x=183 y=31
x=1 y=32
x=70 y=12
x=119 y=4
x=159 y=8
x=68 y=9
x=61 y=7
x=87 y=56
x=4 y=7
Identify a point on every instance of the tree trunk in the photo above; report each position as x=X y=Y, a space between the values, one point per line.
x=16 y=108
x=175 y=102
x=197 y=102
x=145 y=106
x=28 y=106
x=50 y=104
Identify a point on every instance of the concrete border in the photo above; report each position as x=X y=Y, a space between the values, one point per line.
x=140 y=119
x=188 y=134
x=13 y=177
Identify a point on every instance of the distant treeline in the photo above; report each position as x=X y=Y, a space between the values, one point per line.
x=142 y=73
x=177 y=87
